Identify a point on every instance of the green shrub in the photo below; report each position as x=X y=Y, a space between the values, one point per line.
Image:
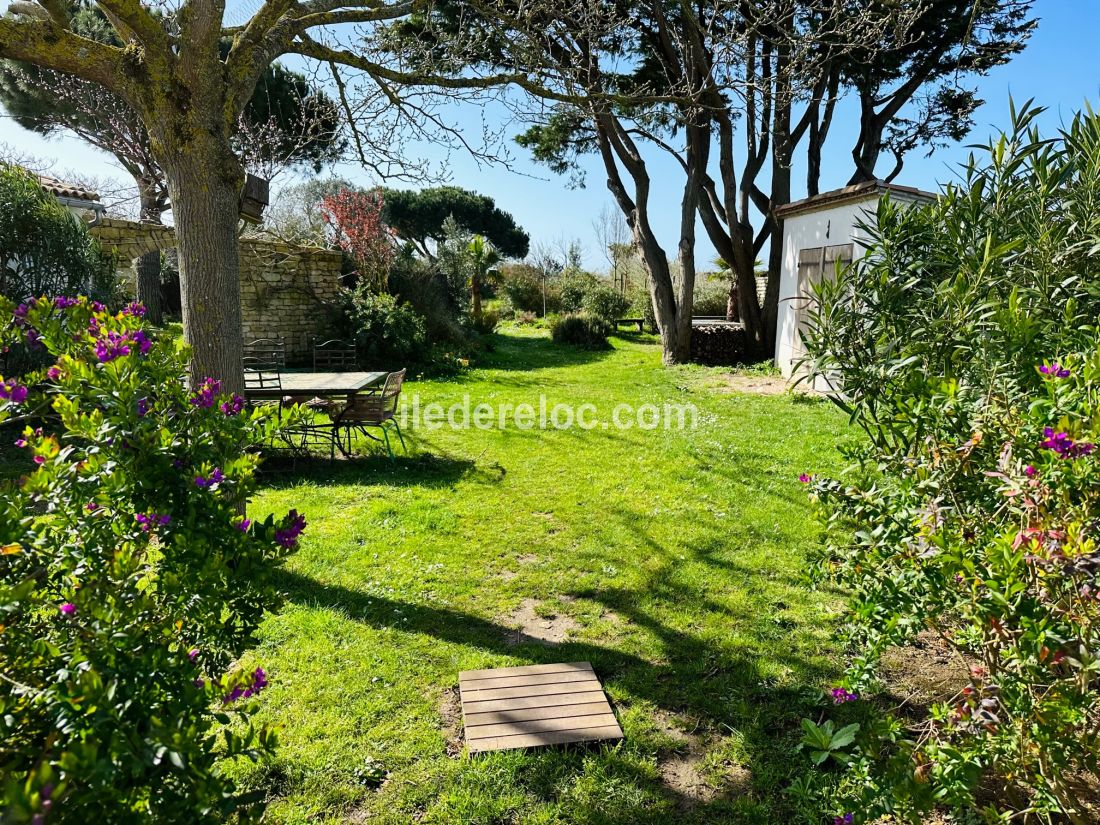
x=605 y=302
x=44 y=248
x=486 y=323
x=388 y=333
x=130 y=583
x=711 y=296
x=431 y=295
x=573 y=285
x=966 y=345
x=524 y=285
x=581 y=330
x=526 y=319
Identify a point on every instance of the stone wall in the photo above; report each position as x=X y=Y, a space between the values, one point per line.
x=283 y=287
x=283 y=292
x=130 y=239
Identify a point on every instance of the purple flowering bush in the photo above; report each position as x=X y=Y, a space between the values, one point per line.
x=130 y=581
x=966 y=344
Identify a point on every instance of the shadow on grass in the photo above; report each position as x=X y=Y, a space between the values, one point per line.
x=536 y=353
x=721 y=688
x=426 y=470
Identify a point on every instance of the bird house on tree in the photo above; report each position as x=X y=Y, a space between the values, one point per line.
x=254 y=199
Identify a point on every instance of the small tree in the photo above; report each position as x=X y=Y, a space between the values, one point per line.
x=355 y=220
x=483 y=260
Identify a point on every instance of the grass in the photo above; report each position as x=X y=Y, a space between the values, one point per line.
x=679 y=559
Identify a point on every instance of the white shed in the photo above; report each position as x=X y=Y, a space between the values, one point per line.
x=817 y=232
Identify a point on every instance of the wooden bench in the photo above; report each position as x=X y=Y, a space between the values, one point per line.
x=636 y=321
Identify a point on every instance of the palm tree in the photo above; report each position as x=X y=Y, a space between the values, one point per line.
x=483 y=258
x=731 y=302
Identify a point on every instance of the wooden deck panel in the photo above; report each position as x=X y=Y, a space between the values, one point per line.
x=522 y=707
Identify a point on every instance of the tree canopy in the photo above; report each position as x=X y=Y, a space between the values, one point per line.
x=417 y=216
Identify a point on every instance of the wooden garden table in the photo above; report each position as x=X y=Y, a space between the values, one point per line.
x=319 y=384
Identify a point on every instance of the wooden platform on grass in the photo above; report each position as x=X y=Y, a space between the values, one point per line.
x=523 y=707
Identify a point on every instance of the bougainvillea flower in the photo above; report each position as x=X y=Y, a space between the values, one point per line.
x=206 y=393
x=1055 y=370
x=258 y=682
x=805 y=478
x=68 y=608
x=150 y=520
x=293 y=525
x=233 y=406
x=215 y=477
x=840 y=696
x=1064 y=446
x=12 y=390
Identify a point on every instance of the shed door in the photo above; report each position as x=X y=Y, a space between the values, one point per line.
x=813 y=263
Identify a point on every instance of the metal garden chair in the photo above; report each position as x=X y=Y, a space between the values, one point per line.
x=334 y=355
x=263 y=385
x=267 y=350
x=371 y=410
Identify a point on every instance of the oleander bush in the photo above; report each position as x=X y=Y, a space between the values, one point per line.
x=131 y=583
x=966 y=347
x=580 y=329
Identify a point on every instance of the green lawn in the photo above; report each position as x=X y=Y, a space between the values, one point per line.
x=677 y=561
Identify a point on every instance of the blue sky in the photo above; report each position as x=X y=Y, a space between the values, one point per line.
x=1060 y=69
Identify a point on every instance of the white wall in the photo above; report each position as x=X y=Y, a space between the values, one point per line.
x=829 y=226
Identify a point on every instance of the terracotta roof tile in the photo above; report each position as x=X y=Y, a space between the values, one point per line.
x=62 y=189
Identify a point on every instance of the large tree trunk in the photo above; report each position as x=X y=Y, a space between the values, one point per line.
x=148 y=286
x=204 y=182
x=615 y=146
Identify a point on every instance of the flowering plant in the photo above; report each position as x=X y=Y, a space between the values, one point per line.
x=967 y=349
x=354 y=219
x=128 y=589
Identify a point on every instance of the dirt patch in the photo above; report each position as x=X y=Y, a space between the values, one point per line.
x=450 y=715
x=680 y=773
x=752 y=384
x=527 y=558
x=681 y=766
x=507 y=575
x=924 y=672
x=531 y=627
